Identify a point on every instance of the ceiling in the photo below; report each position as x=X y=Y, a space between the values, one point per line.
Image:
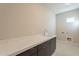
x=61 y=7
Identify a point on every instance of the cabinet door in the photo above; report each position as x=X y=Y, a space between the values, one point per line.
x=34 y=54
x=43 y=49
x=52 y=45
x=30 y=52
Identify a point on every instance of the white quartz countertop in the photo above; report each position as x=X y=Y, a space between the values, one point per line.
x=12 y=47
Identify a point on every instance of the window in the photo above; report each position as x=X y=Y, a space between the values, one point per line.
x=70 y=20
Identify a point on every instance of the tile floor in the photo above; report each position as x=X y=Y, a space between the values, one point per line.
x=64 y=48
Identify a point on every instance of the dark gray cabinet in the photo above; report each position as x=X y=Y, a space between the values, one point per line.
x=30 y=52
x=45 y=49
x=52 y=45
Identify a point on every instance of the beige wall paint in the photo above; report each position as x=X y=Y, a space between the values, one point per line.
x=18 y=20
x=69 y=29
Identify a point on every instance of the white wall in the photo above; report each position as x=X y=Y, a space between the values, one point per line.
x=18 y=20
x=69 y=29
x=21 y=19
x=52 y=22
